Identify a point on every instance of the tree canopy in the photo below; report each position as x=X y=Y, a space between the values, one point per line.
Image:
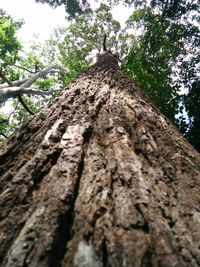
x=9 y=45
x=158 y=47
x=72 y=7
x=18 y=72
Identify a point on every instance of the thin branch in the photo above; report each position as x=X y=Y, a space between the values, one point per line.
x=36 y=68
x=104 y=43
x=165 y=9
x=17 y=66
x=40 y=74
x=13 y=111
x=95 y=45
x=24 y=105
x=4 y=135
x=15 y=83
x=3 y=77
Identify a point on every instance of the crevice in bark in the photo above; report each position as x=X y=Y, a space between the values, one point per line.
x=60 y=240
x=171 y=224
x=100 y=212
x=87 y=135
x=91 y=99
x=86 y=138
x=26 y=179
x=65 y=233
x=169 y=220
x=144 y=227
x=50 y=160
x=104 y=253
x=66 y=221
x=147 y=259
x=80 y=171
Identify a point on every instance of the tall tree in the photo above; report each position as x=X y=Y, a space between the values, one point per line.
x=159 y=59
x=99 y=178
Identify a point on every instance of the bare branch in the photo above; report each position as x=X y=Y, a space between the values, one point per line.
x=23 y=87
x=4 y=135
x=12 y=92
x=15 y=83
x=40 y=74
x=22 y=68
x=3 y=77
x=13 y=111
x=104 y=43
x=29 y=81
x=24 y=105
x=165 y=9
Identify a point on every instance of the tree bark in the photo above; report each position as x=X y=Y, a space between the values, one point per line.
x=100 y=178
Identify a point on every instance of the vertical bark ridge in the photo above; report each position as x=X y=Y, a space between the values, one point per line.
x=20 y=189
x=29 y=178
x=47 y=201
x=142 y=189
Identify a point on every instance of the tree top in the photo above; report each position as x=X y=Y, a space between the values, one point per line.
x=107 y=58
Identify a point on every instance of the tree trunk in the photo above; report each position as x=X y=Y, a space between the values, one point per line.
x=98 y=179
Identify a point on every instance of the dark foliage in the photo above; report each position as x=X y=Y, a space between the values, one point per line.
x=167 y=60
x=72 y=7
x=192 y=103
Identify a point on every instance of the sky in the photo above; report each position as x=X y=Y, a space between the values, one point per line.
x=41 y=19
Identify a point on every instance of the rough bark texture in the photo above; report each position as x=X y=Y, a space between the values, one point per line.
x=99 y=178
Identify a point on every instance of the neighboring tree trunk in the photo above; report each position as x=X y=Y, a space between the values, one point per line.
x=99 y=178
